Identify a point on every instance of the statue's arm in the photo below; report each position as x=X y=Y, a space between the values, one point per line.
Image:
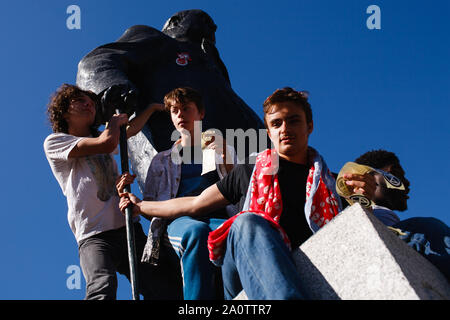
x=119 y=62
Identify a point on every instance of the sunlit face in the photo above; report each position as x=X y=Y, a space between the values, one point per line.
x=289 y=131
x=81 y=111
x=184 y=115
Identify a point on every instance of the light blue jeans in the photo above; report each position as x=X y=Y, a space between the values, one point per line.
x=257 y=260
x=188 y=237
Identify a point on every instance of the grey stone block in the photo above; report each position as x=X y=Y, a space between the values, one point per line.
x=356 y=257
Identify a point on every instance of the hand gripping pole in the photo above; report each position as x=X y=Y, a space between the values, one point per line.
x=129 y=216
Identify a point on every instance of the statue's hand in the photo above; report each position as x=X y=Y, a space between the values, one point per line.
x=122 y=97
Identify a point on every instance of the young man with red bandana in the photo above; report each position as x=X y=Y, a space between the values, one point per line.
x=285 y=196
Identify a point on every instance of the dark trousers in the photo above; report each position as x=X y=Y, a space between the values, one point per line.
x=106 y=253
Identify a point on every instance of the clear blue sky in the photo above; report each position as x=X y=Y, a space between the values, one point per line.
x=369 y=89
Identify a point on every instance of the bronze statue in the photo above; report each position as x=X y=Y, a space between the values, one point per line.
x=144 y=64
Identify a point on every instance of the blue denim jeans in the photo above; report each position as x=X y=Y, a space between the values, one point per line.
x=188 y=237
x=257 y=260
x=431 y=238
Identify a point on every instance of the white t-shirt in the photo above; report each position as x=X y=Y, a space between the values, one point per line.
x=88 y=184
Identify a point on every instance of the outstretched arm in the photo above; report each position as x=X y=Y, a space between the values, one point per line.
x=137 y=123
x=209 y=200
x=106 y=142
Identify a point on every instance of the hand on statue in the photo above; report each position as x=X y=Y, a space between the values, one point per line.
x=118 y=120
x=111 y=135
x=157 y=106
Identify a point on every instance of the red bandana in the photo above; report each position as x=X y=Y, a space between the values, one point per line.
x=266 y=202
